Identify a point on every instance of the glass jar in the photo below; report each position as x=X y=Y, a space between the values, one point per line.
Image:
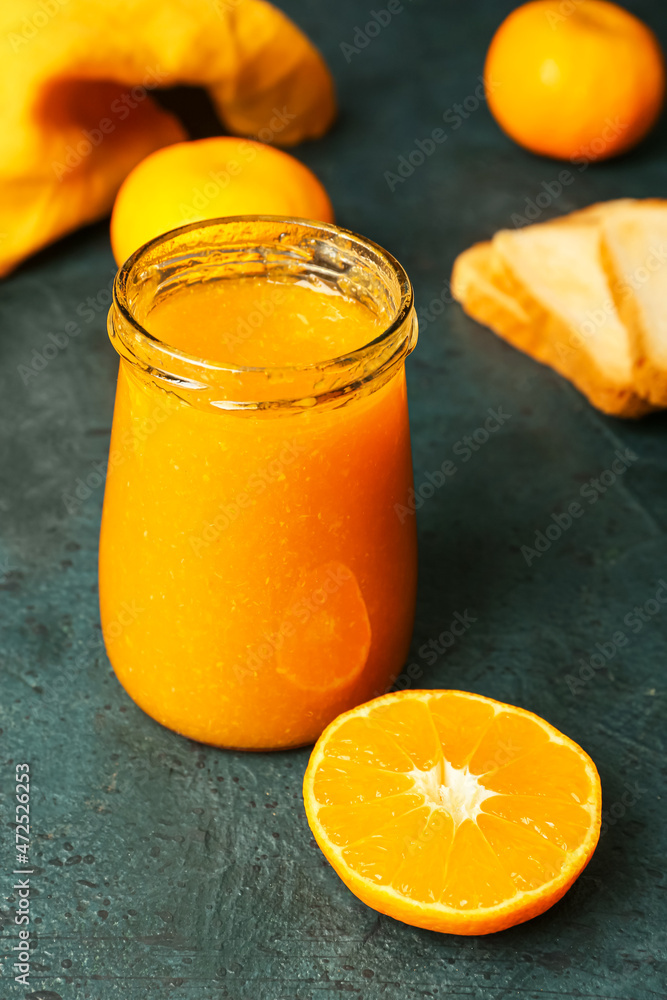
x=257 y=561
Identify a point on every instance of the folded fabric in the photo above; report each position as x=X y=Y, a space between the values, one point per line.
x=76 y=113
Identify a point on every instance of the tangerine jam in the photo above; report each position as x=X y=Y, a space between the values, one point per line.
x=257 y=567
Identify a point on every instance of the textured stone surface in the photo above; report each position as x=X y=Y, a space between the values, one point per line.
x=169 y=869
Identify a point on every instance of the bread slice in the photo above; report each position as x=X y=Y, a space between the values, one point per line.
x=478 y=283
x=634 y=253
x=563 y=312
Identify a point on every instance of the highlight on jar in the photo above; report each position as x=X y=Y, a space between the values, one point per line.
x=261 y=446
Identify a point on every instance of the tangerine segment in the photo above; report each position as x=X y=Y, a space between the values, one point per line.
x=452 y=811
x=411 y=725
x=362 y=742
x=559 y=822
x=327 y=624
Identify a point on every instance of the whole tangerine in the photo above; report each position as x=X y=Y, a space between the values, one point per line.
x=208 y=178
x=578 y=80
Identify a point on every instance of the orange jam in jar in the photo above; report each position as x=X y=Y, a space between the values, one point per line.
x=257 y=569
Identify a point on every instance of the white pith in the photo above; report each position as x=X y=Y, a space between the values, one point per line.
x=453 y=789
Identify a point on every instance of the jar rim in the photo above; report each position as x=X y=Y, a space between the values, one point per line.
x=138 y=345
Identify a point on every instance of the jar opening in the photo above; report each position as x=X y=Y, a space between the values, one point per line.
x=279 y=249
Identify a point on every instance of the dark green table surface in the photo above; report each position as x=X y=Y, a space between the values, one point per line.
x=165 y=868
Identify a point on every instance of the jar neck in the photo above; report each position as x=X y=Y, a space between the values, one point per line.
x=283 y=250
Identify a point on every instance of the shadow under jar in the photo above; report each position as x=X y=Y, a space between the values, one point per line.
x=257 y=554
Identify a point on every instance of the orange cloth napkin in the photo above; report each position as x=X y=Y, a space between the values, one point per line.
x=76 y=112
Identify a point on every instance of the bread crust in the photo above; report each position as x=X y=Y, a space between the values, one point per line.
x=650 y=374
x=491 y=293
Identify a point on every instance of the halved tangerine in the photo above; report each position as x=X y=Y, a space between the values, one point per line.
x=452 y=811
